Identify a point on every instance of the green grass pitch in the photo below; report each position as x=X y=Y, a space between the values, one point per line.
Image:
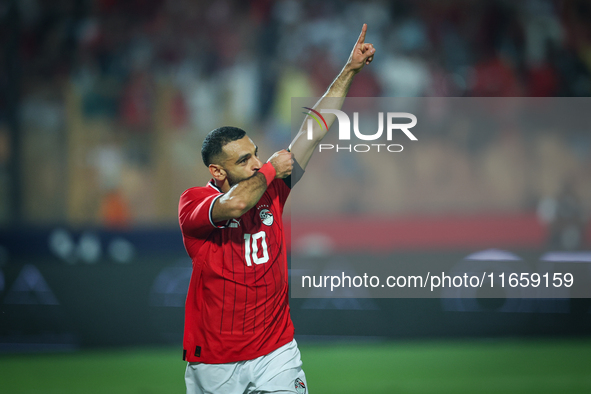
x=495 y=366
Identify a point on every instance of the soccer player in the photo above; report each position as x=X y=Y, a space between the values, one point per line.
x=238 y=330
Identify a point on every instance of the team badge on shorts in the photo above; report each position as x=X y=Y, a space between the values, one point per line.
x=300 y=386
x=266 y=217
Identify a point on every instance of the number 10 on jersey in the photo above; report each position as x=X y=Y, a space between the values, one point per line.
x=251 y=248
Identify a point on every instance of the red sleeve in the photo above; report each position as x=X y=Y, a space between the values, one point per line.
x=195 y=208
x=281 y=190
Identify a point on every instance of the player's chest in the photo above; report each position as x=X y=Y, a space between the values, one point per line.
x=261 y=217
x=256 y=236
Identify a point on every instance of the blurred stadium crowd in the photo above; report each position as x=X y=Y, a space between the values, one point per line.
x=106 y=102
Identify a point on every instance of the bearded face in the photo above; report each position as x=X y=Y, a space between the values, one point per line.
x=239 y=162
x=233 y=178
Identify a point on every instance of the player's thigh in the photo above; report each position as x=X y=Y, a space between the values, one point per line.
x=215 y=378
x=280 y=372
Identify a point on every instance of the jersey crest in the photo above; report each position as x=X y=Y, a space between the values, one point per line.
x=266 y=217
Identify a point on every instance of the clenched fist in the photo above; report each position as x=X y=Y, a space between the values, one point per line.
x=282 y=161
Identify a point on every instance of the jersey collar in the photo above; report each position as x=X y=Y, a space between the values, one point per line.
x=211 y=183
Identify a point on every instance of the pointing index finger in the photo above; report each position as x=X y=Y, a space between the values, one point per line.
x=361 y=38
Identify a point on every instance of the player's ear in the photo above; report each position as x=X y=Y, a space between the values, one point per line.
x=217 y=172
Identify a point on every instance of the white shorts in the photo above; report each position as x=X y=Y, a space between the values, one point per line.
x=277 y=372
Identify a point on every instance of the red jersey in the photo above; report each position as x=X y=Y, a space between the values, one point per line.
x=237 y=304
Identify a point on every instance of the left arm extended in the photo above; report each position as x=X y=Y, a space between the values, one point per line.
x=362 y=54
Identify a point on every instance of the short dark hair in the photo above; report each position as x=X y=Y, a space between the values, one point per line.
x=215 y=141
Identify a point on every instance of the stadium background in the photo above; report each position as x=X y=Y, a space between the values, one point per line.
x=103 y=108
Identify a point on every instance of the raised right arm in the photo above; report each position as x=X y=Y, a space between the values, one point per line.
x=334 y=98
